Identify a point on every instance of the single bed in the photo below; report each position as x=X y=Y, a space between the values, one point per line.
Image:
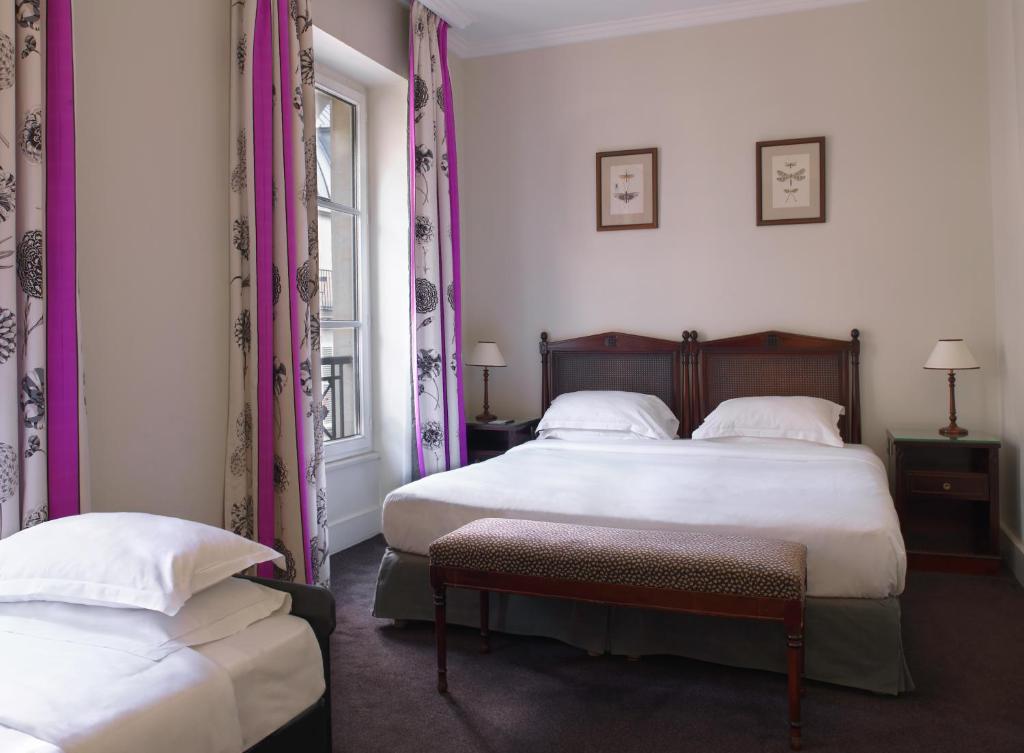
x=834 y=500
x=264 y=689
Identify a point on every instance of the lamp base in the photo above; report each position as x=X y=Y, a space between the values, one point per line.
x=953 y=431
x=485 y=416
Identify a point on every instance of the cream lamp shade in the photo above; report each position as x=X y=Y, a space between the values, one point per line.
x=951 y=355
x=486 y=353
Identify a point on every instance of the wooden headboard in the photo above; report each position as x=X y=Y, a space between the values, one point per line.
x=771 y=363
x=693 y=377
x=613 y=361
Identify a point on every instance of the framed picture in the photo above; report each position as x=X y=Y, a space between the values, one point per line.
x=627 y=189
x=791 y=181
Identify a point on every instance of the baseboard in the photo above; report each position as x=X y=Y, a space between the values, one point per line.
x=354 y=529
x=1013 y=553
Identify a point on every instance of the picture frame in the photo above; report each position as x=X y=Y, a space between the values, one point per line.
x=627 y=189
x=790 y=181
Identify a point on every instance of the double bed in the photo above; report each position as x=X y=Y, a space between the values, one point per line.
x=835 y=500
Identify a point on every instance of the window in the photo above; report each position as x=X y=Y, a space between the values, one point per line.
x=344 y=339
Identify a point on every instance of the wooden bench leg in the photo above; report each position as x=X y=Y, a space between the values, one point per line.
x=485 y=617
x=795 y=668
x=440 y=633
x=803 y=665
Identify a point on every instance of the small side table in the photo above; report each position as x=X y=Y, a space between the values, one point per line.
x=485 y=441
x=947 y=496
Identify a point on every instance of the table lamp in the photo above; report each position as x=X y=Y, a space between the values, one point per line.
x=951 y=355
x=486 y=353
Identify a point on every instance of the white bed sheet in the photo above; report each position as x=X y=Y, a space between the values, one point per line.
x=276 y=669
x=834 y=500
x=69 y=697
x=221 y=697
x=12 y=741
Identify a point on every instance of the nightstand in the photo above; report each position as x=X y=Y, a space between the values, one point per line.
x=947 y=496
x=485 y=441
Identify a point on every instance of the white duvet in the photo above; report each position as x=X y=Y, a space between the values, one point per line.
x=62 y=697
x=834 y=500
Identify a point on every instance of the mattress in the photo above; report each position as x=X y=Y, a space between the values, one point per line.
x=834 y=500
x=276 y=670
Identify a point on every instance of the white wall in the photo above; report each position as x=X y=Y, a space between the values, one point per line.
x=153 y=153
x=1006 y=46
x=909 y=228
x=899 y=87
x=377 y=28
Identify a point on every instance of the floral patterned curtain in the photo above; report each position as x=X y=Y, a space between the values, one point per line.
x=41 y=390
x=274 y=480
x=436 y=296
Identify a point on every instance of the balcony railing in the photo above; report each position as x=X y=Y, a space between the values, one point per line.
x=333 y=373
x=326 y=290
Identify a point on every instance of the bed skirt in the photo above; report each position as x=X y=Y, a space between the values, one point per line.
x=852 y=642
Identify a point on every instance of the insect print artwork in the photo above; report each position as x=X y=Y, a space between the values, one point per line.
x=623 y=193
x=796 y=175
x=627 y=189
x=791 y=181
x=790 y=186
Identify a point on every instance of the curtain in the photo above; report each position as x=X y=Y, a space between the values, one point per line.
x=436 y=298
x=274 y=479
x=42 y=458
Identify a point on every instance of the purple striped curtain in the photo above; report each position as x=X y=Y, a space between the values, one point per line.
x=436 y=296
x=274 y=480
x=42 y=418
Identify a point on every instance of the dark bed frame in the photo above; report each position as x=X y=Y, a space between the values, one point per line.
x=693 y=377
x=310 y=731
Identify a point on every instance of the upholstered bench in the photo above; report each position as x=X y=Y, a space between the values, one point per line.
x=700 y=573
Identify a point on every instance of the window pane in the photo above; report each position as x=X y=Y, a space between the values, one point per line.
x=339 y=369
x=335 y=142
x=337 y=233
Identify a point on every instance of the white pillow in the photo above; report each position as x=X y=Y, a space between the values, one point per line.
x=810 y=419
x=644 y=415
x=591 y=435
x=217 y=612
x=122 y=559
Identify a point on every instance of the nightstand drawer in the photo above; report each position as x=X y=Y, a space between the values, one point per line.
x=489 y=440
x=948 y=484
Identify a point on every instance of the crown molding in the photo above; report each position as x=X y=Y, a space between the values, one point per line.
x=450 y=11
x=713 y=14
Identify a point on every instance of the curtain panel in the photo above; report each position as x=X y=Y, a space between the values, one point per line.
x=435 y=290
x=42 y=417
x=274 y=479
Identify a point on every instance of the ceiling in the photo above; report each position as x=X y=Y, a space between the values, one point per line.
x=491 y=27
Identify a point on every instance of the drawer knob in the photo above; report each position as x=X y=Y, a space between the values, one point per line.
x=946 y=486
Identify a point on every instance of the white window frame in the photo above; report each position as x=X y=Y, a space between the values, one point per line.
x=361 y=443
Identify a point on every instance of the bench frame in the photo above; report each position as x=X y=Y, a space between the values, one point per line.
x=790 y=612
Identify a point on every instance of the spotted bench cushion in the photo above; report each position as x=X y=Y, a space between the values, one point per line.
x=676 y=560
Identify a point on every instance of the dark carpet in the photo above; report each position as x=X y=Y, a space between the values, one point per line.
x=964 y=638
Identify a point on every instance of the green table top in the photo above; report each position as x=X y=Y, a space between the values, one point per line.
x=933 y=436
